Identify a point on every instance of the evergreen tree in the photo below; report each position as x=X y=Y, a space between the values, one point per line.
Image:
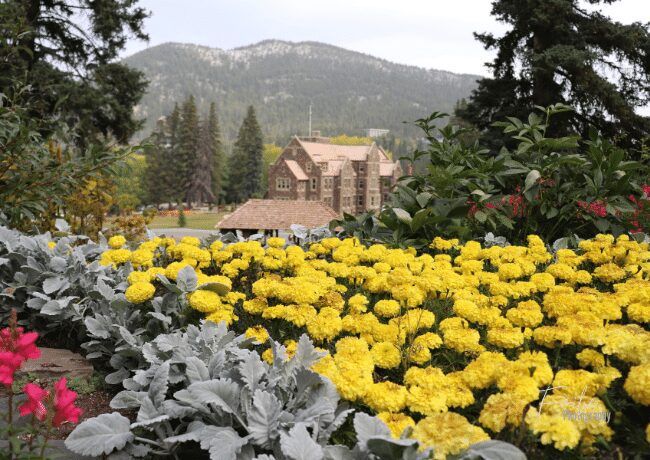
x=186 y=154
x=560 y=51
x=65 y=50
x=218 y=155
x=201 y=180
x=245 y=165
x=155 y=157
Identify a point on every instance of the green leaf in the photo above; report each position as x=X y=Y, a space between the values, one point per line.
x=224 y=393
x=264 y=418
x=100 y=435
x=480 y=216
x=368 y=427
x=531 y=179
x=602 y=224
x=402 y=215
x=213 y=286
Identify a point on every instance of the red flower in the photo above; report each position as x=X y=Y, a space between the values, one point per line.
x=64 y=398
x=9 y=364
x=19 y=342
x=597 y=208
x=34 y=404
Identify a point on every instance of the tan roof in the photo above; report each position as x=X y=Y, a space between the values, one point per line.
x=295 y=168
x=386 y=168
x=329 y=152
x=258 y=214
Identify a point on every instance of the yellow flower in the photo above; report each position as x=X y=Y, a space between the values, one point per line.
x=448 y=433
x=387 y=308
x=117 y=241
x=275 y=242
x=259 y=333
x=135 y=277
x=51 y=244
x=397 y=423
x=386 y=397
x=358 y=303
x=637 y=384
x=191 y=241
x=140 y=292
x=326 y=325
x=386 y=355
x=204 y=301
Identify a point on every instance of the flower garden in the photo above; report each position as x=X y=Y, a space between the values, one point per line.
x=270 y=348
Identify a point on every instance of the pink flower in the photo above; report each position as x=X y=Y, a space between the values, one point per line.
x=64 y=398
x=34 y=405
x=19 y=342
x=9 y=364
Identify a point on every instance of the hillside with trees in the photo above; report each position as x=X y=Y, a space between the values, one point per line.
x=349 y=91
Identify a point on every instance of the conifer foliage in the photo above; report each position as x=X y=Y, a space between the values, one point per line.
x=246 y=161
x=565 y=51
x=186 y=158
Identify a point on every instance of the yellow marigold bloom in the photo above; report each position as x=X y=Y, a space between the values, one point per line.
x=275 y=242
x=259 y=333
x=386 y=397
x=153 y=273
x=609 y=273
x=396 y=423
x=300 y=315
x=510 y=271
x=204 y=301
x=426 y=400
x=222 y=315
x=326 y=325
x=119 y=256
x=501 y=410
x=507 y=337
x=429 y=340
x=448 y=433
x=550 y=336
x=358 y=303
x=637 y=384
x=386 y=355
x=255 y=306
x=442 y=244
x=331 y=299
x=135 y=277
x=216 y=245
x=140 y=292
x=387 y=308
x=526 y=314
x=267 y=356
x=555 y=429
x=51 y=244
x=542 y=281
x=590 y=358
x=418 y=353
x=172 y=270
x=463 y=340
x=639 y=312
x=577 y=382
x=116 y=241
x=191 y=240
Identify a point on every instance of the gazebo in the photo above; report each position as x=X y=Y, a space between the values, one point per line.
x=273 y=216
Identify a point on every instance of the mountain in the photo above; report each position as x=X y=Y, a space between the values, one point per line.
x=349 y=91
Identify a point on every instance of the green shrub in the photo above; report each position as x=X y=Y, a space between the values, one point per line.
x=552 y=187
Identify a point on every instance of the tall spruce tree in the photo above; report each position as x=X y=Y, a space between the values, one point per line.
x=564 y=51
x=65 y=50
x=187 y=152
x=218 y=155
x=155 y=156
x=201 y=182
x=245 y=166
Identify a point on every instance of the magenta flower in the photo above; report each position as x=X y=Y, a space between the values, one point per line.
x=34 y=405
x=64 y=398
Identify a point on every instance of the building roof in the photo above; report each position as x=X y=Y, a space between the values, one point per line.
x=386 y=168
x=258 y=214
x=296 y=170
x=328 y=152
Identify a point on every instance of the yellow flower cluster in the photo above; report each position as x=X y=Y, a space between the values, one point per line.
x=416 y=338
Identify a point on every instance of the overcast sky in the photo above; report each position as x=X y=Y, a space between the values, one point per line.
x=427 y=33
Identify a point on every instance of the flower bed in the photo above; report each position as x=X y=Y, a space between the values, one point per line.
x=462 y=344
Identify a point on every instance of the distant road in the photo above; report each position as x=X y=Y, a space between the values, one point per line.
x=179 y=232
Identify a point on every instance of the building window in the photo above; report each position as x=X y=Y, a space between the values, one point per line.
x=362 y=183
x=308 y=167
x=385 y=181
x=360 y=200
x=385 y=197
x=323 y=166
x=282 y=183
x=372 y=200
x=362 y=167
x=313 y=183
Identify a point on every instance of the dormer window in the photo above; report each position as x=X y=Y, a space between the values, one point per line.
x=308 y=167
x=313 y=183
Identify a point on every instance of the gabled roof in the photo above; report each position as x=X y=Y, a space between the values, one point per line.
x=328 y=152
x=386 y=168
x=258 y=214
x=296 y=170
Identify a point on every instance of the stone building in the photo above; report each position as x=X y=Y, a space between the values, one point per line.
x=348 y=178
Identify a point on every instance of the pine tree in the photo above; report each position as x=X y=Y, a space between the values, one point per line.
x=155 y=155
x=559 y=51
x=218 y=156
x=201 y=181
x=186 y=154
x=245 y=165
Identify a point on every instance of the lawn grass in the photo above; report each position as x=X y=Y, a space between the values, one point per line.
x=202 y=221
